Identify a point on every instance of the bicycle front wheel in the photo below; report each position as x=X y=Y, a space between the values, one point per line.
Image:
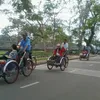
x=11 y=72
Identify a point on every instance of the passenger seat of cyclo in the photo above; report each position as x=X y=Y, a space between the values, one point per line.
x=12 y=55
x=85 y=52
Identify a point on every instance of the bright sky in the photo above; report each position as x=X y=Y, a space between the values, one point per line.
x=65 y=15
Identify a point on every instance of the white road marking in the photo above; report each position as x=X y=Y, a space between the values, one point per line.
x=41 y=66
x=73 y=70
x=79 y=71
x=86 y=72
x=91 y=65
x=94 y=62
x=25 y=86
x=87 y=62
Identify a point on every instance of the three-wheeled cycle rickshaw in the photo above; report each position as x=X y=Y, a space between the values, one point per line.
x=62 y=65
x=10 y=70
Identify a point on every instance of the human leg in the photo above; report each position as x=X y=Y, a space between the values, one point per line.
x=25 y=58
x=57 y=60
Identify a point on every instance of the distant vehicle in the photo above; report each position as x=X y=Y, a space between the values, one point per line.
x=84 y=55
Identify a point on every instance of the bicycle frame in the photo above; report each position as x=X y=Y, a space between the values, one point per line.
x=22 y=59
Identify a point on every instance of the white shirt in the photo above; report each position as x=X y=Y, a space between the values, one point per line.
x=57 y=53
x=65 y=46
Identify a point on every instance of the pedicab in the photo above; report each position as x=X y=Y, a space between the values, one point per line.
x=10 y=70
x=84 y=55
x=62 y=65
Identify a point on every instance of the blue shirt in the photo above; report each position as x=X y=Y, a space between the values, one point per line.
x=25 y=43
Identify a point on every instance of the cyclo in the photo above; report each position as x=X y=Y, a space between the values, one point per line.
x=63 y=62
x=10 y=70
x=84 y=55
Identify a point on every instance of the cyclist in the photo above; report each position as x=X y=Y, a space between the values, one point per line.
x=65 y=46
x=19 y=43
x=25 y=46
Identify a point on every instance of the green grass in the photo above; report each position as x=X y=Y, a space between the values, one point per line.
x=41 y=55
x=2 y=52
x=43 y=58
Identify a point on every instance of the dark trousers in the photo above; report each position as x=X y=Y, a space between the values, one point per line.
x=25 y=58
x=56 y=58
x=30 y=55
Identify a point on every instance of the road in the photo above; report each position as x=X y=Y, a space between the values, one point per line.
x=80 y=81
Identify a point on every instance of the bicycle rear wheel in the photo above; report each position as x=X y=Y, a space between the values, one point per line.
x=67 y=62
x=27 y=70
x=63 y=65
x=34 y=61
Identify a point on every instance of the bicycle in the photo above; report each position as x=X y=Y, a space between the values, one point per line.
x=10 y=70
x=63 y=63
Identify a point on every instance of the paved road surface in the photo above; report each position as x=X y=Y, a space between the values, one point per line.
x=80 y=81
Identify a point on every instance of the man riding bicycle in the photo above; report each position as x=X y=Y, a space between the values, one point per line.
x=25 y=46
x=65 y=46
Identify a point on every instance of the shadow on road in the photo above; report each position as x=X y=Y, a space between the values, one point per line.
x=20 y=79
x=53 y=71
x=2 y=82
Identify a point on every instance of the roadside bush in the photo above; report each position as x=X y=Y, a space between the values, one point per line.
x=39 y=54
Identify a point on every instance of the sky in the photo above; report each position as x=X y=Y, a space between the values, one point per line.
x=64 y=15
x=4 y=21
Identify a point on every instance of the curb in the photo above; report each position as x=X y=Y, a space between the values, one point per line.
x=40 y=63
x=44 y=62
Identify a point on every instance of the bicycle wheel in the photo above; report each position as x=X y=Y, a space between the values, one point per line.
x=49 y=66
x=67 y=62
x=11 y=72
x=27 y=70
x=63 y=65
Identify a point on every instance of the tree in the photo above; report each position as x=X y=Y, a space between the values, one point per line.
x=87 y=21
x=22 y=5
x=1 y=2
x=93 y=22
x=34 y=20
x=82 y=9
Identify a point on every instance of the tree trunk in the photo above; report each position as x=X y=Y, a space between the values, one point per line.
x=80 y=42
x=91 y=36
x=81 y=38
x=44 y=45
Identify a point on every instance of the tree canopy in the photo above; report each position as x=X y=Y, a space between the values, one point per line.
x=41 y=20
